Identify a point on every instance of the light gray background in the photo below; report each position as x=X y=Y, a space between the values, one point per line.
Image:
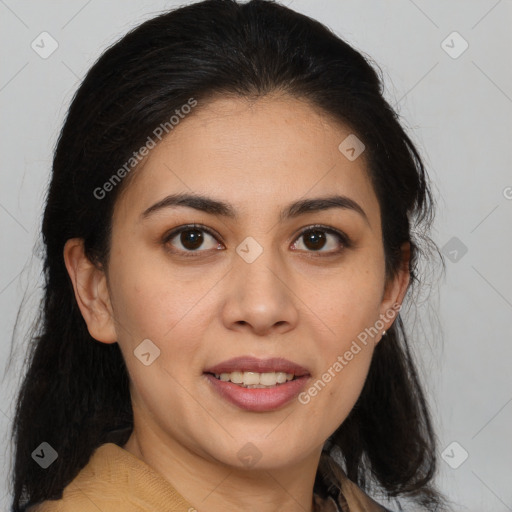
x=458 y=111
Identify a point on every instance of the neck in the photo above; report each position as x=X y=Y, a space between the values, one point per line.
x=211 y=485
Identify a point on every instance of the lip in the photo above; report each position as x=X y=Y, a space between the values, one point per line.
x=258 y=399
x=253 y=364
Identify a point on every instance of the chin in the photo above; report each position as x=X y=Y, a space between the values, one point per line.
x=257 y=453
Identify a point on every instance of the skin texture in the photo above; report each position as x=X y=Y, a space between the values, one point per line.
x=293 y=302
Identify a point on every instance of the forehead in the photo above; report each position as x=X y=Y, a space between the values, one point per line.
x=255 y=154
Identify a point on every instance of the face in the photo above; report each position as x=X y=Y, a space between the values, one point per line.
x=264 y=268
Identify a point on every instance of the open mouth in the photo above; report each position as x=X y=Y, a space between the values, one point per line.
x=258 y=391
x=254 y=380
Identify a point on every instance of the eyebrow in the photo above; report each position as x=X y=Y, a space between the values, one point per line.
x=220 y=208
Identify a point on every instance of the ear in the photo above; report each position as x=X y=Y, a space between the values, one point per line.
x=91 y=292
x=395 y=291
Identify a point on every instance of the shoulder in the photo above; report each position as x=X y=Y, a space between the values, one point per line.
x=114 y=480
x=95 y=487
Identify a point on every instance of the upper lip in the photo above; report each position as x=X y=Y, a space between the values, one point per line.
x=253 y=364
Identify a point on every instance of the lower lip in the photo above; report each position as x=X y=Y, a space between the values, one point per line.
x=258 y=399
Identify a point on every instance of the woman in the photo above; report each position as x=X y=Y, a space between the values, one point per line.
x=228 y=244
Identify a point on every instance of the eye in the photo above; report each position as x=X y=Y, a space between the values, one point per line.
x=191 y=238
x=321 y=239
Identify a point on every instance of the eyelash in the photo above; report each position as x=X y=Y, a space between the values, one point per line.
x=342 y=237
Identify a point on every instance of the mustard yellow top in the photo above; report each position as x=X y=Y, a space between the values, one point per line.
x=115 y=480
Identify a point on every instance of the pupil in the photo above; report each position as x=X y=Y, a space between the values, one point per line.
x=315 y=240
x=191 y=239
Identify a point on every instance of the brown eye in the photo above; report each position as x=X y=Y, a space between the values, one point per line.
x=188 y=240
x=191 y=239
x=314 y=240
x=324 y=240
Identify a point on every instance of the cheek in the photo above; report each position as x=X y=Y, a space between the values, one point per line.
x=332 y=394
x=169 y=312
x=344 y=302
x=347 y=308
x=150 y=300
x=173 y=311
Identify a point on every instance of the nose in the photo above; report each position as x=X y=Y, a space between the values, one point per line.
x=260 y=297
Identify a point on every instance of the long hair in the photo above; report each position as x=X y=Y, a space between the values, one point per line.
x=75 y=392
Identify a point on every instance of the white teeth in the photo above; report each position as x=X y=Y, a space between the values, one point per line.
x=251 y=378
x=267 y=379
x=281 y=377
x=254 y=379
x=236 y=377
